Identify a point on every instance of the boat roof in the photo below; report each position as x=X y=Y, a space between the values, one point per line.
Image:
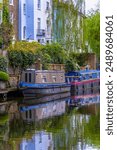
x=82 y=72
x=45 y=71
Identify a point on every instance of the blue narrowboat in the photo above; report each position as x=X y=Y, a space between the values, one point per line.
x=83 y=79
x=43 y=82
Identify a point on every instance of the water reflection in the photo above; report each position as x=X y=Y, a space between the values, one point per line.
x=51 y=125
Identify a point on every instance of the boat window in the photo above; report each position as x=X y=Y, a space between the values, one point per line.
x=54 y=78
x=29 y=77
x=61 y=78
x=44 y=79
x=26 y=77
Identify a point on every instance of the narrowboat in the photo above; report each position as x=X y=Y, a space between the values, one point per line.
x=43 y=82
x=83 y=79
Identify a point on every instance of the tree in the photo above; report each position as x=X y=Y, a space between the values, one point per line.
x=22 y=55
x=3 y=63
x=68 y=19
x=6 y=28
x=56 y=52
x=92 y=31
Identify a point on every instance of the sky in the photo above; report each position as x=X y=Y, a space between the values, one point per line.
x=91 y=4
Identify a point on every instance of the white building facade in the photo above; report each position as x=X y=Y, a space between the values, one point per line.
x=35 y=20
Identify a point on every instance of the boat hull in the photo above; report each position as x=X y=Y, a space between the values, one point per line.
x=41 y=91
x=86 y=84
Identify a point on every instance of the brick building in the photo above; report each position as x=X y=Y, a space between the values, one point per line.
x=13 y=12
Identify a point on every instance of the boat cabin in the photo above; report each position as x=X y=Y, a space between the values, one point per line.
x=43 y=76
x=82 y=75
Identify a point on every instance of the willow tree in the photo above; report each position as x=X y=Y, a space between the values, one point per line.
x=92 y=31
x=68 y=19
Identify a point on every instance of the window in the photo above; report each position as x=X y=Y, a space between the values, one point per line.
x=11 y=17
x=47 y=5
x=44 y=79
x=39 y=4
x=0 y=16
x=61 y=78
x=54 y=78
x=29 y=77
x=24 y=9
x=39 y=23
x=47 y=41
x=48 y=26
x=26 y=79
x=24 y=32
x=11 y=2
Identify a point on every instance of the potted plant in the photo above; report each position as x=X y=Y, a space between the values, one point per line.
x=4 y=77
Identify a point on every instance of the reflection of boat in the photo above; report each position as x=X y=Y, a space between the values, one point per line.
x=43 y=82
x=83 y=79
x=46 y=98
x=84 y=99
x=36 y=112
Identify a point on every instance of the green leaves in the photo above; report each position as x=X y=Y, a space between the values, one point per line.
x=3 y=64
x=4 y=76
x=68 y=24
x=22 y=55
x=6 y=28
x=92 y=32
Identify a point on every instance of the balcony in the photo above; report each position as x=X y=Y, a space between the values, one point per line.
x=41 y=32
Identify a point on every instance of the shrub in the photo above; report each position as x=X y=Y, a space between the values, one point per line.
x=4 y=76
x=3 y=63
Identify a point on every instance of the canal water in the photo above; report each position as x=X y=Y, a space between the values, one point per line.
x=69 y=123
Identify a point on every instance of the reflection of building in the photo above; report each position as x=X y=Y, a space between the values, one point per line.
x=41 y=111
x=34 y=20
x=40 y=141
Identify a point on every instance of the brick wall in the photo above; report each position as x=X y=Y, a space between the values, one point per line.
x=14 y=9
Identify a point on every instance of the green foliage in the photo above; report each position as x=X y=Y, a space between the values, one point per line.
x=92 y=31
x=68 y=24
x=4 y=76
x=56 y=52
x=3 y=64
x=70 y=65
x=22 y=55
x=3 y=119
x=6 y=28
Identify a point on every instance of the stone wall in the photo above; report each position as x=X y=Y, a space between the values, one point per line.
x=13 y=81
x=57 y=67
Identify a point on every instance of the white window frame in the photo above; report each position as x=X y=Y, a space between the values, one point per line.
x=11 y=2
